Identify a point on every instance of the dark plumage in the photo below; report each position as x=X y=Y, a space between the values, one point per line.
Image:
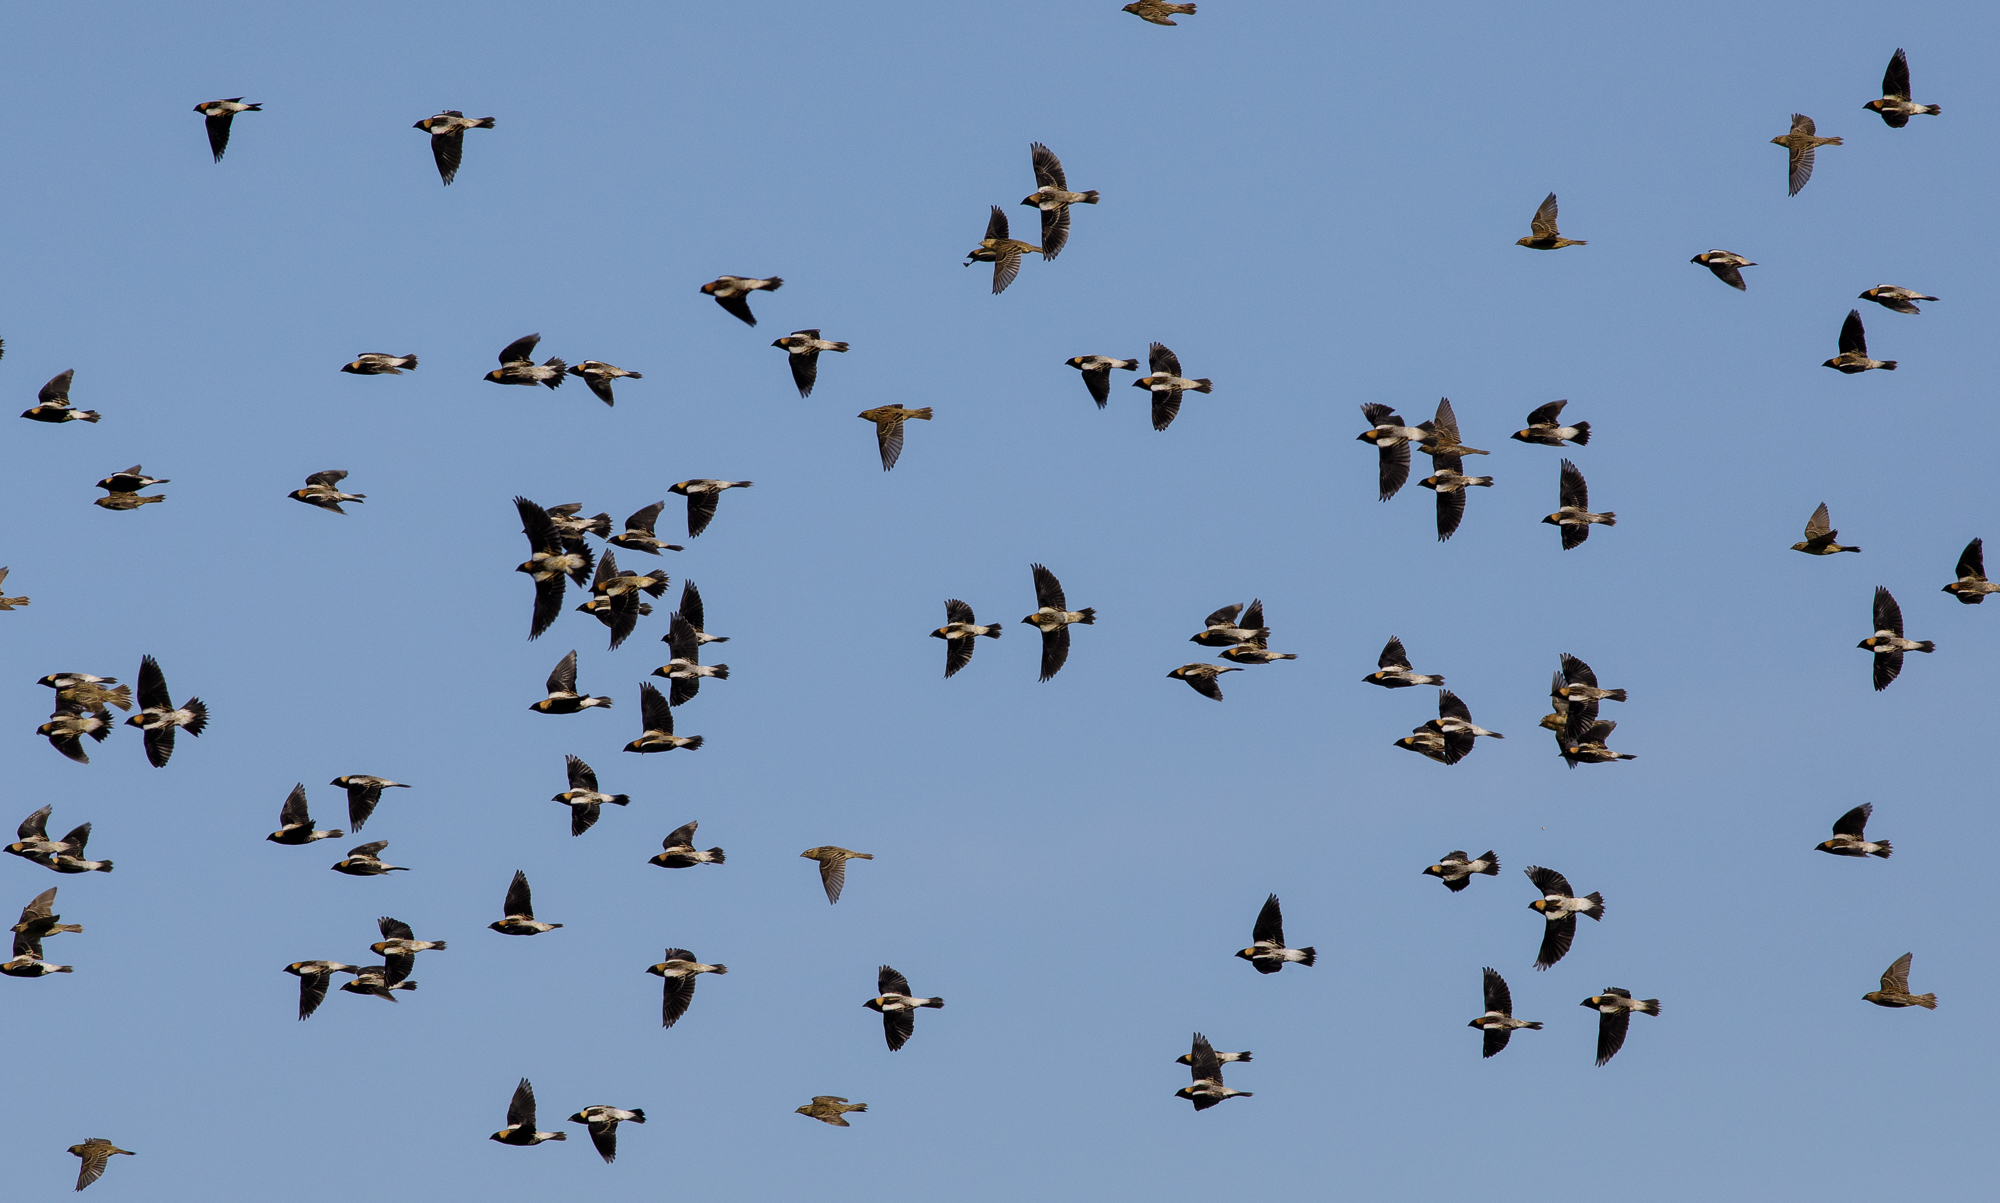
x=447 y=131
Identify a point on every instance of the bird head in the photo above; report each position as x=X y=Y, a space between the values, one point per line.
x=1868 y=643
x=1539 y=904
x=1434 y=871
x=1553 y=519
x=1592 y=1001
x=1524 y=242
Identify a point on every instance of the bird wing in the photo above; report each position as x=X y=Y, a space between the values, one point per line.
x=888 y=981
x=1544 y=221
x=1055 y=650
x=996 y=225
x=548 y=605
x=739 y=305
x=1055 y=231
x=1446 y=423
x=957 y=654
x=1166 y=407
x=1498 y=997
x=1253 y=614
x=957 y=611
x=218 y=133
x=1049 y=169
x=537 y=525
x=35 y=826
x=1202 y=1060
x=1888 y=615
x=41 y=907
x=604 y=1137
x=395 y=929
x=1802 y=124
x=1450 y=510
x=654 y=712
x=521 y=1108
x=1162 y=360
x=1097 y=380
x=1853 y=336
x=1820 y=525
x=57 y=389
x=153 y=686
x=1896 y=978
x=686 y=645
x=1548 y=881
x=624 y=616
x=329 y=478
x=1205 y=684
x=833 y=870
x=1972 y=561
x=805 y=370
x=1393 y=656
x=898 y=1027
x=361 y=800
x=1006 y=266
x=1394 y=468
x=1048 y=590
x=889 y=439
x=1576 y=672
x=701 y=511
x=521 y=350
x=1611 y=1029
x=1270 y=925
x=1855 y=821
x=96 y=1155
x=1225 y=617
x=1572 y=489
x=1888 y=666
x=691 y=605
x=312 y=992
x=520 y=900
x=77 y=838
x=1496 y=1039
x=369 y=849
x=294 y=809
x=448 y=147
x=580 y=774
x=1556 y=938
x=563 y=679
x=676 y=993
x=582 y=817
x=159 y=745
x=1449 y=706
x=1380 y=415
x=1895 y=80
x=1546 y=415
x=680 y=837
x=643 y=520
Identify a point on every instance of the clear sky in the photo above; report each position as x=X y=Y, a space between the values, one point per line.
x=1315 y=205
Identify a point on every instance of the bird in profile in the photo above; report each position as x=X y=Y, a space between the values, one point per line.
x=1207 y=1089
x=1267 y=952
x=1887 y=642
x=603 y=1123
x=1455 y=869
x=1243 y=1058
x=84 y=691
x=656 y=720
x=833 y=867
x=1579 y=693
x=1895 y=106
x=295 y=825
x=598 y=375
x=1902 y=300
x=638 y=533
x=1392 y=441
x=685 y=670
x=889 y=421
x=959 y=630
x=702 y=496
x=70 y=723
x=830 y=1109
x=1159 y=12
x=1441 y=436
x=62 y=856
x=1544 y=235
x=1449 y=481
x=159 y=718
x=1799 y=144
x=399 y=946
x=376 y=363
x=520 y=1129
x=1850 y=835
x=1435 y=745
x=1970 y=588
x=1232 y=625
x=1053 y=197
x=447 y=131
x=552 y=556
x=583 y=798
x=381 y=981
x=1575 y=519
x=122 y=489
x=30 y=964
x=677 y=851
x=218 y=114
x=323 y=490
x=1727 y=265
x=1455 y=718
x=1202 y=678
x=519 y=915
x=691 y=609
x=1560 y=906
x=38 y=922
x=518 y=366
x=1166 y=384
x=563 y=697
x=733 y=293
x=52 y=403
x=1614 y=1010
x=1821 y=538
x=1392 y=669
x=96 y=1154
x=1096 y=371
x=365 y=860
x=1498 y=1023
x=1853 y=357
x=363 y=794
x=897 y=1006
x=678 y=971
x=1588 y=745
x=1545 y=426
x=1255 y=651
x=314 y=978
x=1053 y=617
x=614 y=597
x=802 y=348
x=1895 y=991
x=1002 y=252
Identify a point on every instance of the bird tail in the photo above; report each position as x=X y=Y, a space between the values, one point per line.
x=855 y=1107
x=924 y=413
x=692 y=744
x=1089 y=198
x=1203 y=386
x=1614 y=695
x=1492 y=868
x=619 y=800
x=1582 y=434
x=838 y=347
x=104 y=866
x=1651 y=1006
x=1608 y=519
x=482 y=123
x=939 y=1002
x=409 y=361
x=605 y=702
x=556 y=380
x=1887 y=365
x=638 y=1116
x=1925 y=646
x=1089 y=616
x=1933 y=110
x=63 y=927
x=1927 y=1001
x=715 y=856
x=200 y=712
x=1306 y=960
x=1882 y=851
x=88 y=415
x=721 y=672
x=1596 y=912
x=1534 y=1027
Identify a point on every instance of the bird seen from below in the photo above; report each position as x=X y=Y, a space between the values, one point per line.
x=656 y=720
x=897 y=1006
x=376 y=363
x=1455 y=870
x=1727 y=265
x=1894 y=106
x=219 y=114
x=678 y=971
x=1887 y=642
x=583 y=798
x=1559 y=906
x=520 y=1129
x=802 y=348
x=295 y=825
x=702 y=496
x=1575 y=519
x=314 y=978
x=733 y=293
x=1267 y=952
x=603 y=1123
x=96 y=1154
x=1850 y=836
x=1096 y=371
x=323 y=490
x=1498 y=1023
x=1207 y=1089
x=563 y=697
x=959 y=630
x=1166 y=384
x=1615 y=1008
x=1970 y=588
x=363 y=794
x=889 y=421
x=1053 y=618
x=159 y=718
x=598 y=375
x=685 y=670
x=1853 y=357
x=1002 y=252
x=677 y=851
x=1202 y=677
x=447 y=131
x=519 y=911
x=833 y=867
x=1053 y=197
x=1901 y=300
x=1800 y=143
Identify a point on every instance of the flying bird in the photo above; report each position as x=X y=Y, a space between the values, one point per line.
x=677 y=851
x=1207 y=1089
x=1449 y=482
x=1392 y=669
x=802 y=348
x=833 y=867
x=1096 y=371
x=519 y=916
x=1053 y=197
x=1853 y=357
x=1560 y=907
x=381 y=981
x=599 y=375
x=363 y=793
x=1799 y=145
x=690 y=609
x=1614 y=1010
x=1392 y=441
x=1232 y=625
x=1455 y=870
x=365 y=860
x=62 y=856
x=295 y=825
x=686 y=670
x=1445 y=749
x=1850 y=836
x=447 y=131
x=1545 y=236
x=70 y=723
x=1159 y=12
x=1579 y=694
x=603 y=1124
x=733 y=293
x=959 y=630
x=52 y=403
x=1002 y=252
x=314 y=978
x=1455 y=718
x=656 y=718
x=159 y=718
x=1895 y=106
x=1546 y=428
x=1052 y=617
x=702 y=496
x=638 y=534
x=38 y=922
x=520 y=1129
x=1267 y=952
x=830 y=1109
x=1902 y=300
x=1201 y=677
x=889 y=421
x=376 y=363
x=85 y=691
x=323 y=490
x=678 y=971
x=1499 y=1024
x=1887 y=642
x=399 y=946
x=517 y=365
x=582 y=796
x=1970 y=588
x=1166 y=384
x=1727 y=265
x=122 y=489
x=220 y=113
x=563 y=697
x=1586 y=745
x=1820 y=537
x=96 y=1154
x=552 y=556
x=1574 y=519
x=1895 y=991
x=897 y=1006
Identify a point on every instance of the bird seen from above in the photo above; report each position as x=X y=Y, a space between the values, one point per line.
x=677 y=851
x=1579 y=694
x=1267 y=952
x=159 y=718
x=1560 y=906
x=1895 y=991
x=1441 y=436
x=897 y=1006
x=1575 y=519
x=1850 y=835
x=889 y=421
x=1970 y=588
x=1449 y=482
x=220 y=113
x=1799 y=144
x=1232 y=625
x=833 y=867
x=1727 y=265
x=1053 y=617
x=1201 y=677
x=1586 y=744
x=52 y=403
x=447 y=131
x=1853 y=357
x=733 y=293
x=314 y=978
x=1895 y=106
x=363 y=793
x=1096 y=371
x=1901 y=300
x=603 y=1124
x=1543 y=234
x=376 y=363
x=1053 y=197
x=1160 y=12
x=1207 y=1089
x=365 y=860
x=638 y=533
x=656 y=720
x=829 y=1109
x=323 y=490
x=1392 y=440
x=1498 y=1023
x=1887 y=642
x=519 y=913
x=1455 y=870
x=802 y=348
x=295 y=825
x=1166 y=384
x=1545 y=427
x=1445 y=749
x=84 y=690
x=96 y=1154
x=678 y=971
x=1392 y=669
x=582 y=796
x=598 y=375
x=64 y=855
x=518 y=366
x=520 y=1129
x=959 y=630
x=1820 y=537
x=39 y=922
x=685 y=670
x=563 y=697
x=1614 y=1010
x=702 y=496
x=1002 y=252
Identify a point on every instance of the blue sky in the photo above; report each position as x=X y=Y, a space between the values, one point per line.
x=1316 y=207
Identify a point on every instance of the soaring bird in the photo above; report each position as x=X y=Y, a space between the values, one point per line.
x=1820 y=537
x=1166 y=384
x=1850 y=835
x=656 y=721
x=1895 y=106
x=1207 y=1089
x=702 y=496
x=830 y=1109
x=563 y=697
x=1574 y=519
x=1499 y=1023
x=1971 y=587
x=833 y=867
x=159 y=718
x=447 y=131
x=603 y=1123
x=1799 y=144
x=96 y=1154
x=1455 y=869
x=376 y=363
x=52 y=403
x=1096 y=371
x=582 y=796
x=1853 y=357
x=1895 y=991
x=802 y=348
x=323 y=490
x=1267 y=952
x=1159 y=12
x=1392 y=669
x=1560 y=906
x=520 y=1129
x=638 y=534
x=1052 y=617
x=314 y=978
x=889 y=421
x=1614 y=1010
x=678 y=971
x=1901 y=300
x=518 y=366
x=363 y=794
x=1887 y=642
x=1053 y=197
x=959 y=630
x=1727 y=265
x=897 y=1006
x=1202 y=677
x=295 y=825
x=598 y=375
x=677 y=851
x=519 y=915
x=219 y=114
x=733 y=293
x=1002 y=252
x=1545 y=236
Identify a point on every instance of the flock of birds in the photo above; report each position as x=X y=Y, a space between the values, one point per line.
x=560 y=555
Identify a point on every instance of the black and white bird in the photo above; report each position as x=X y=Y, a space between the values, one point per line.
x=1207 y=1089
x=1455 y=718
x=1887 y=642
x=1053 y=197
x=656 y=720
x=1096 y=371
x=958 y=632
x=603 y=1123
x=1971 y=587
x=1053 y=618
x=600 y=375
x=447 y=131
x=1166 y=384
x=1232 y=625
x=218 y=114
x=563 y=697
x=677 y=851
x=1498 y=1023
x=1267 y=952
x=364 y=793
x=1575 y=518
x=638 y=533
x=323 y=491
x=159 y=718
x=314 y=978
x=365 y=860
x=702 y=496
x=678 y=971
x=518 y=366
x=1560 y=906
x=553 y=557
x=1392 y=669
x=1455 y=869
x=520 y=1129
x=583 y=797
x=519 y=911
x=295 y=825
x=1614 y=1010
x=685 y=670
x=802 y=348
x=1850 y=835
x=1545 y=426
x=897 y=1006
x=733 y=293
x=1392 y=441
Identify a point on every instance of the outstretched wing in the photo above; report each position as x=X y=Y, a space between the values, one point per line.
x=1972 y=561
x=1820 y=525
x=888 y=981
x=521 y=1109
x=520 y=900
x=1854 y=822
x=1544 y=221
x=1546 y=415
x=1895 y=81
x=563 y=679
x=1888 y=615
x=1556 y=941
x=294 y=809
x=1498 y=997
x=1049 y=169
x=1611 y=1028
x=1270 y=926
x=153 y=686
x=1055 y=650
x=1572 y=489
x=1160 y=359
x=1896 y=978
x=1853 y=336
x=1048 y=590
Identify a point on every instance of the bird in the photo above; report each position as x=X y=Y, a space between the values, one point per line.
x=614 y=597
x=1545 y=427
x=702 y=496
x=1052 y=617
x=802 y=348
x=656 y=719
x=1255 y=651
x=363 y=793
x=62 y=856
x=447 y=131
x=889 y=421
x=1201 y=677
x=38 y=922
x=1895 y=991
x=314 y=978
x=1002 y=252
x=1224 y=1058
x=1159 y=12
x=1455 y=718
x=1267 y=952
x=691 y=609
x=958 y=632
x=1587 y=745
x=1574 y=519
x=582 y=796
x=551 y=557
x=1455 y=870
x=1166 y=384
x=381 y=981
x=1096 y=371
x=1579 y=694
x=1614 y=1010
x=128 y=501
x=520 y=1129
x=28 y=964
x=69 y=724
x=563 y=697
x=1887 y=642
x=1233 y=625
x=323 y=490
x=1970 y=588
x=686 y=670
x=1207 y=1089
x=1853 y=357
x=519 y=915
x=573 y=528
x=603 y=1123
x=85 y=691
x=377 y=363
x=295 y=825
x=1499 y=1024
x=1799 y=145
x=1560 y=907
x=364 y=860
x=1545 y=236
x=678 y=971
x=833 y=867
x=733 y=293
x=1053 y=197
x=1850 y=835
x=1727 y=265
x=1895 y=106
x=1392 y=441
x=1888 y=296
x=897 y=1006
x=159 y=718
x=638 y=534
x=830 y=1109
x=1441 y=434
x=1392 y=669
x=598 y=375
x=52 y=403
x=399 y=946
x=1445 y=749
x=517 y=365
x=677 y=851
x=96 y=1154
x=131 y=480
x=1820 y=535
x=1449 y=482
x=220 y=113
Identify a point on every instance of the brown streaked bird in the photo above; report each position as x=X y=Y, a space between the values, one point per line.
x=959 y=630
x=678 y=972
x=829 y=1109
x=1267 y=952
x=638 y=534
x=1895 y=991
x=1207 y=1089
x=159 y=718
x=656 y=718
x=1002 y=252
x=1159 y=12
x=1902 y=300
x=1545 y=236
x=517 y=365
x=1499 y=1023
x=1727 y=265
x=518 y=915
x=96 y=1154
x=314 y=978
x=1053 y=197
x=86 y=691
x=1202 y=678
x=218 y=114
x=563 y=697
x=128 y=501
x=686 y=670
x=583 y=797
x=52 y=403
x=1096 y=371
x=1850 y=835
x=1820 y=537
x=1443 y=433
x=1853 y=357
x=1392 y=669
x=1614 y=1010
x=677 y=851
x=365 y=860
x=1545 y=427
x=9 y=603
x=833 y=867
x=733 y=293
x=363 y=794
x=447 y=131
x=889 y=421
x=377 y=363
x=1971 y=587
x=1224 y=628
x=897 y=1006
x=1166 y=384
x=323 y=490
x=603 y=1123
x=38 y=922
x=1799 y=145
x=1887 y=642
x=67 y=727
x=1455 y=869
x=520 y=1129
x=1895 y=107
x=1559 y=906
x=598 y=375
x=295 y=825
x=1574 y=519
x=802 y=348
x=1392 y=440
x=702 y=496
x=1052 y=617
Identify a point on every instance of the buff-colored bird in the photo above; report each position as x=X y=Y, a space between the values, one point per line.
x=833 y=867
x=829 y=1109
x=96 y=1153
x=889 y=421
x=1895 y=991
x=1002 y=252
x=1800 y=144
x=1545 y=236
x=1158 y=11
